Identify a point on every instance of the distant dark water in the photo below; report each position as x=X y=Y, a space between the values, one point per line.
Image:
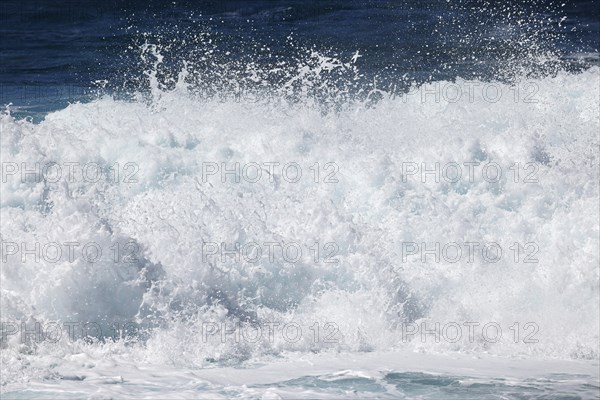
x=52 y=53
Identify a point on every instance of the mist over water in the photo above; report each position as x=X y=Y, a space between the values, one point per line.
x=240 y=195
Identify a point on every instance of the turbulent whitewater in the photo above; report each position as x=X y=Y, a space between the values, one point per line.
x=333 y=210
x=320 y=200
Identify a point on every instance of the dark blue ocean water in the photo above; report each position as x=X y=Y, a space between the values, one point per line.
x=53 y=52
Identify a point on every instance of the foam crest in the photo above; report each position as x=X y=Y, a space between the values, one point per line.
x=169 y=210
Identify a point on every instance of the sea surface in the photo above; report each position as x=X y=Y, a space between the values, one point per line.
x=296 y=199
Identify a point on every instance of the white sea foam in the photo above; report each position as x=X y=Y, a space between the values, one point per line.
x=172 y=213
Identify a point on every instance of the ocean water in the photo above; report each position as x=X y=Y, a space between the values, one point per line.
x=281 y=200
